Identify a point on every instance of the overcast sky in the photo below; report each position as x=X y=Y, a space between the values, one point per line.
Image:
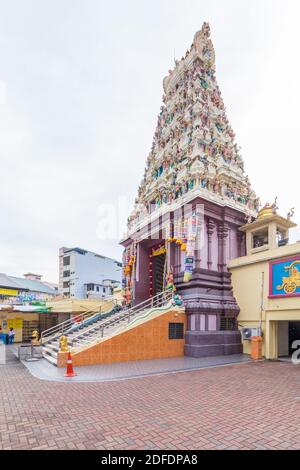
x=80 y=91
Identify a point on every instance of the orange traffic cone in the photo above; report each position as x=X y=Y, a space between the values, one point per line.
x=70 y=372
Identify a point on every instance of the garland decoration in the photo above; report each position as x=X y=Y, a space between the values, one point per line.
x=189 y=264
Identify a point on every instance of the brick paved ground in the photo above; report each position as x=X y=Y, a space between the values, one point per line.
x=251 y=406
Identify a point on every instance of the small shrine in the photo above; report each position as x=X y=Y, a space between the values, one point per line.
x=193 y=198
x=267 y=286
x=268 y=231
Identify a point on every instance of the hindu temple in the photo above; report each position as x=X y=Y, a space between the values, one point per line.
x=192 y=200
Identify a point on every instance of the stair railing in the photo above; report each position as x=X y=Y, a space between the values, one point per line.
x=157 y=301
x=62 y=328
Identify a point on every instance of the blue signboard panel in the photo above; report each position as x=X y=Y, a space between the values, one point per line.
x=285 y=277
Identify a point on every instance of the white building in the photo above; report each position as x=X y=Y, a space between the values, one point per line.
x=83 y=274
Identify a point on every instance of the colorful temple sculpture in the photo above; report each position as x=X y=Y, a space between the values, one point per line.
x=193 y=198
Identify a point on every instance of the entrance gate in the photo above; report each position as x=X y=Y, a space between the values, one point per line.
x=158 y=273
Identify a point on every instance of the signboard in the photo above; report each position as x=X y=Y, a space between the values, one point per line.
x=15 y=323
x=285 y=277
x=11 y=292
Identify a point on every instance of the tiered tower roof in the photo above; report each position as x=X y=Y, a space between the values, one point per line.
x=194 y=147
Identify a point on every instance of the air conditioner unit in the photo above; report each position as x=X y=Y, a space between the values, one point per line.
x=249 y=333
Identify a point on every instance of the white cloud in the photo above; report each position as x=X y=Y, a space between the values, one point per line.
x=3 y=93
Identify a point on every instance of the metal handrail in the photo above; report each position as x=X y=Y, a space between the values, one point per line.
x=78 y=320
x=126 y=314
x=61 y=327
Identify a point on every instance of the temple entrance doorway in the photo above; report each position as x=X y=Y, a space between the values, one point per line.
x=288 y=333
x=158 y=272
x=294 y=335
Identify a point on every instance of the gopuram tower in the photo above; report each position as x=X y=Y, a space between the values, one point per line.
x=192 y=200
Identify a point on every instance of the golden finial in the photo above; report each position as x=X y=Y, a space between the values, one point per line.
x=265 y=212
x=268 y=210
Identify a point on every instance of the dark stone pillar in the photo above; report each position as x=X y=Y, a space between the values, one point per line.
x=198 y=246
x=241 y=243
x=223 y=232
x=210 y=232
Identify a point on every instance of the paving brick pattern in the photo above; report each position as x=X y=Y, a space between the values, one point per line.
x=250 y=406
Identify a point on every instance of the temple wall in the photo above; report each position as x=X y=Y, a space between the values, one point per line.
x=215 y=251
x=148 y=340
x=231 y=248
x=211 y=307
x=177 y=257
x=204 y=248
x=234 y=248
x=182 y=258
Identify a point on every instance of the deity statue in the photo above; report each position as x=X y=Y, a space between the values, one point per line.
x=63 y=344
x=274 y=206
x=231 y=191
x=177 y=300
x=127 y=297
x=191 y=184
x=35 y=337
x=248 y=218
x=204 y=182
x=216 y=185
x=170 y=282
x=291 y=214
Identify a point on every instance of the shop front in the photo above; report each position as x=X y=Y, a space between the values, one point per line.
x=22 y=323
x=8 y=295
x=26 y=319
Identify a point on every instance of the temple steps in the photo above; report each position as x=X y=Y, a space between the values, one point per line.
x=106 y=326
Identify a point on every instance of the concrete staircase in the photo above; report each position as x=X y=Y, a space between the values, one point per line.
x=88 y=329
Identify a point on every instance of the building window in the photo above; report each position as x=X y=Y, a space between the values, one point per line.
x=67 y=274
x=90 y=287
x=97 y=289
x=67 y=261
x=260 y=238
x=227 y=324
x=176 y=330
x=66 y=285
